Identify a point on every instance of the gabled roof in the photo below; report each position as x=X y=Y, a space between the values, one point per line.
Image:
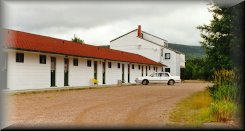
x=149 y=40
x=123 y=35
x=154 y=36
x=32 y=42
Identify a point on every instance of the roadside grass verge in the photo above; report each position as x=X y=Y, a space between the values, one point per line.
x=193 y=110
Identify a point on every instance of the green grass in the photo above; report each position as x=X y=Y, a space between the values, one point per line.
x=193 y=110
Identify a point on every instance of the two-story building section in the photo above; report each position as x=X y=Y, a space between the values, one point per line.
x=152 y=47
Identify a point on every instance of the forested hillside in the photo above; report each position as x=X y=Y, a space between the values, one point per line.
x=189 y=51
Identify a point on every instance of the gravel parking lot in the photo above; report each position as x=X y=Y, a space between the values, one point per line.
x=126 y=106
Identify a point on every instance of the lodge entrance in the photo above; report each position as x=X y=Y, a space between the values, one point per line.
x=103 y=72
x=128 y=73
x=123 y=73
x=53 y=68
x=95 y=70
x=66 y=72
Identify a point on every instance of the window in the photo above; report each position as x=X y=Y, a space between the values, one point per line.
x=153 y=75
x=42 y=59
x=89 y=63
x=139 y=67
x=167 y=70
x=149 y=67
x=109 y=64
x=154 y=68
x=167 y=55
x=132 y=66
x=20 y=57
x=159 y=74
x=165 y=75
x=118 y=65
x=75 y=62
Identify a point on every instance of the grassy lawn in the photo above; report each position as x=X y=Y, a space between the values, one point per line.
x=193 y=111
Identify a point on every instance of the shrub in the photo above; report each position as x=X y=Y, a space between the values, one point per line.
x=223 y=110
x=225 y=87
x=224 y=92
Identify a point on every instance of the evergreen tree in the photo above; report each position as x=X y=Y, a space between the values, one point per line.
x=77 y=39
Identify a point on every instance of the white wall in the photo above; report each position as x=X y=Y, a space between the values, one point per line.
x=182 y=60
x=113 y=74
x=27 y=75
x=131 y=43
x=177 y=65
x=82 y=74
x=171 y=63
x=33 y=75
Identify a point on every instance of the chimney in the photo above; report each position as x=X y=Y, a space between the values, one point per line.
x=139 y=31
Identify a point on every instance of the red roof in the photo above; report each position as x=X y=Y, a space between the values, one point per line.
x=32 y=42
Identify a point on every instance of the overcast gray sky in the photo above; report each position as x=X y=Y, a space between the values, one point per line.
x=99 y=22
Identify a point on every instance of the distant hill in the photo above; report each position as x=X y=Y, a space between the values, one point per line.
x=189 y=51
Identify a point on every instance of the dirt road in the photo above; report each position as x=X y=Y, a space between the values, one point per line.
x=127 y=106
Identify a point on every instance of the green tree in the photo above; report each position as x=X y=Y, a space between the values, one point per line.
x=216 y=39
x=195 y=69
x=223 y=42
x=77 y=39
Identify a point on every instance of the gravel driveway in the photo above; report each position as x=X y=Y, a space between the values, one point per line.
x=126 y=106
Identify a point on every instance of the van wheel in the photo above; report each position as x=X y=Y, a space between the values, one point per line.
x=171 y=82
x=145 y=82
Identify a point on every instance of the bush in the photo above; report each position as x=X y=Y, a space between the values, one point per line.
x=224 y=92
x=223 y=110
x=225 y=87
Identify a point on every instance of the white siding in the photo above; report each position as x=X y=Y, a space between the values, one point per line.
x=177 y=64
x=113 y=74
x=27 y=75
x=33 y=75
x=87 y=72
x=134 y=73
x=172 y=62
x=59 y=75
x=99 y=72
x=182 y=60
x=133 y=44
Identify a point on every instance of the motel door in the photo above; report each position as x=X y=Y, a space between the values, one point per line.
x=145 y=70
x=53 y=68
x=128 y=73
x=142 y=70
x=122 y=72
x=95 y=70
x=66 y=72
x=103 y=72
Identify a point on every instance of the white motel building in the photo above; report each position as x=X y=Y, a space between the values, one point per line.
x=151 y=47
x=35 y=62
